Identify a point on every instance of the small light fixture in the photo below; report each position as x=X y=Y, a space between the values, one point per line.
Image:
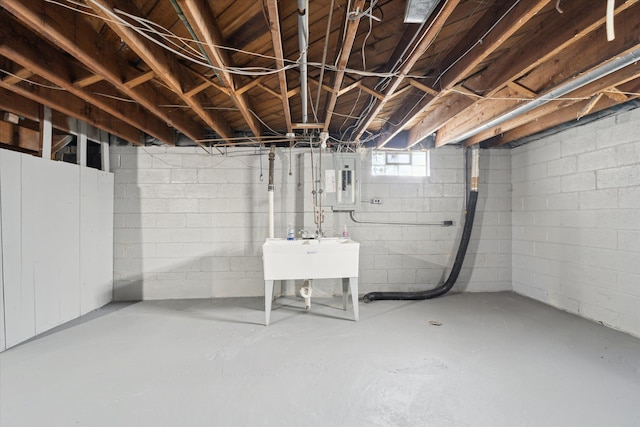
x=419 y=10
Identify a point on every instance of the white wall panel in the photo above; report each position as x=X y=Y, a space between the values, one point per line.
x=51 y=239
x=18 y=295
x=3 y=344
x=96 y=239
x=56 y=244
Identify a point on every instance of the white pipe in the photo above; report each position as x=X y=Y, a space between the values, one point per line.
x=271 y=215
x=272 y=156
x=305 y=292
x=583 y=80
x=303 y=43
x=611 y=5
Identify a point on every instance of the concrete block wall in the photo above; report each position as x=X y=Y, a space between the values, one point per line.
x=191 y=225
x=576 y=221
x=410 y=257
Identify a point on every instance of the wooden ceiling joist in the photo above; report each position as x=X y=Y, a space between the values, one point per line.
x=29 y=109
x=72 y=33
x=88 y=81
x=51 y=64
x=462 y=63
x=199 y=15
x=347 y=44
x=424 y=38
x=73 y=106
x=517 y=62
x=276 y=40
x=560 y=33
x=18 y=76
x=584 y=93
x=164 y=65
x=571 y=65
x=142 y=78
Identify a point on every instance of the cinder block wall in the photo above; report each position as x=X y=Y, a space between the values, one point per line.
x=409 y=258
x=576 y=221
x=191 y=225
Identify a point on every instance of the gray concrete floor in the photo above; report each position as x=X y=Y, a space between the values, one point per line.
x=497 y=360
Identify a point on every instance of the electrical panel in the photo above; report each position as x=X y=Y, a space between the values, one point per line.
x=341 y=186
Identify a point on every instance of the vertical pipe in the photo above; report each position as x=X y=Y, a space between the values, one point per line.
x=475 y=167
x=303 y=43
x=272 y=156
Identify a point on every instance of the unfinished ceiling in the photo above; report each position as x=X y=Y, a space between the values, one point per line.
x=239 y=72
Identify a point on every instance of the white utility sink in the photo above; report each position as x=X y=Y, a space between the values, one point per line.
x=325 y=258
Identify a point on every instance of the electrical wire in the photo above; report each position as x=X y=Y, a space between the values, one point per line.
x=31 y=82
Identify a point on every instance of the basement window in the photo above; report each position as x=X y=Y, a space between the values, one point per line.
x=401 y=163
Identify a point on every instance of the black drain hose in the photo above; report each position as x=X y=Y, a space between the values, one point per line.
x=455 y=270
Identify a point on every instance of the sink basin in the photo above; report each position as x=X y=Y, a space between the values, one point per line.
x=310 y=259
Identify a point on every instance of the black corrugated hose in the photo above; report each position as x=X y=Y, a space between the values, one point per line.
x=455 y=270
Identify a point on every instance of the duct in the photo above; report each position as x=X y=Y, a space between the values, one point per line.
x=583 y=80
x=303 y=43
x=462 y=247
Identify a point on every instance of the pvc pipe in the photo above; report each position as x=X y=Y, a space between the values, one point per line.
x=271 y=215
x=611 y=5
x=270 y=188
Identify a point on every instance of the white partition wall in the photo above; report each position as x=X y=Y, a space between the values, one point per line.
x=96 y=239
x=57 y=243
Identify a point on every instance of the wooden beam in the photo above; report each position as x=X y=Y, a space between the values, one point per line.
x=60 y=141
x=590 y=105
x=554 y=118
x=558 y=34
x=349 y=38
x=202 y=86
x=269 y=90
x=324 y=86
x=423 y=87
x=293 y=92
x=462 y=63
x=22 y=106
x=253 y=83
x=620 y=77
x=142 y=78
x=18 y=76
x=276 y=40
x=75 y=107
x=165 y=66
x=88 y=80
x=522 y=90
x=427 y=35
x=346 y=89
x=71 y=32
x=22 y=46
x=595 y=50
x=204 y=24
x=616 y=94
x=512 y=18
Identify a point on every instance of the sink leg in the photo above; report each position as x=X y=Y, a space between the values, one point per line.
x=345 y=292
x=268 y=297
x=353 y=282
